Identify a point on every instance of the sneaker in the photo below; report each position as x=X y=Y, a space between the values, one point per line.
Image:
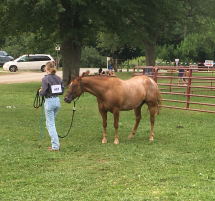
x=50 y=149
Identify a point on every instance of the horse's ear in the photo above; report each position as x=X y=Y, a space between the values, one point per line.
x=73 y=77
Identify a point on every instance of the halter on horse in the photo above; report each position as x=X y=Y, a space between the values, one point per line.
x=115 y=95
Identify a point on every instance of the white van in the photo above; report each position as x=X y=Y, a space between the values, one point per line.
x=29 y=62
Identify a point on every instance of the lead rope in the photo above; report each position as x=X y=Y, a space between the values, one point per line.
x=70 y=124
x=37 y=102
x=41 y=125
x=73 y=112
x=71 y=120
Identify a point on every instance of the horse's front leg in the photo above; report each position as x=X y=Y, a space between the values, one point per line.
x=104 y=118
x=137 y=112
x=116 y=121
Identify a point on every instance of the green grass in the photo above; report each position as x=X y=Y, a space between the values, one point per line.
x=177 y=165
x=3 y=73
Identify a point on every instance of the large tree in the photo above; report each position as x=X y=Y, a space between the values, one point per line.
x=163 y=22
x=152 y=18
x=71 y=23
x=171 y=26
x=143 y=27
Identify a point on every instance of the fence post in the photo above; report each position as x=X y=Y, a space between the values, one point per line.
x=156 y=74
x=170 y=87
x=188 y=87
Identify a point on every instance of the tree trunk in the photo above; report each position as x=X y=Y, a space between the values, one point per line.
x=150 y=53
x=71 y=56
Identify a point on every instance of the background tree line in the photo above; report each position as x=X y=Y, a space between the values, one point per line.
x=118 y=28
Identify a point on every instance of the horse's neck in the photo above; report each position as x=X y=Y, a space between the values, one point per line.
x=95 y=86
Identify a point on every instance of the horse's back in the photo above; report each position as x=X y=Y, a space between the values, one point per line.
x=141 y=83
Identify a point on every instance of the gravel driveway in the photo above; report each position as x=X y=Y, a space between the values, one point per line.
x=23 y=77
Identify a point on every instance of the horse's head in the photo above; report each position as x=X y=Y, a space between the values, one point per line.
x=75 y=89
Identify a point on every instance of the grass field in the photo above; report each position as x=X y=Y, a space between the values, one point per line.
x=178 y=165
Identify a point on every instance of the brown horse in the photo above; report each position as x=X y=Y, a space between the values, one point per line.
x=114 y=95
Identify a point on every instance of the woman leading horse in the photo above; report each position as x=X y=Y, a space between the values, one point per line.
x=115 y=95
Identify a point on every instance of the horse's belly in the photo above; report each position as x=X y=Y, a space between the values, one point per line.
x=131 y=104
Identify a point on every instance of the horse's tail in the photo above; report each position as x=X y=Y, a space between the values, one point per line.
x=159 y=102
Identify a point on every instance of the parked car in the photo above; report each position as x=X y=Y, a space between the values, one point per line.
x=4 y=57
x=29 y=62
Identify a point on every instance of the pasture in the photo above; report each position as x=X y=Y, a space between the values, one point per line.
x=178 y=165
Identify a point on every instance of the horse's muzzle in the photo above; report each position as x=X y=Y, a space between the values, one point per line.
x=67 y=99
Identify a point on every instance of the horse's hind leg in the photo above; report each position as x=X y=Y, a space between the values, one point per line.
x=116 y=121
x=137 y=112
x=152 y=110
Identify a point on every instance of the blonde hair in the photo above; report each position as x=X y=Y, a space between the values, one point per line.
x=51 y=67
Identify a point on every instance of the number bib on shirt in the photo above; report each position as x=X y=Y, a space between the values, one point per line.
x=56 y=89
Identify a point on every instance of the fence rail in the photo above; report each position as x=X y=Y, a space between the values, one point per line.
x=199 y=85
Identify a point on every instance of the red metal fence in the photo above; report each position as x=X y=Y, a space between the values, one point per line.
x=196 y=93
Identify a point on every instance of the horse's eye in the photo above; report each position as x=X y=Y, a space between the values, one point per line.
x=74 y=85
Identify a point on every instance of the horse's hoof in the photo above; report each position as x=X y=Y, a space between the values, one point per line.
x=151 y=139
x=104 y=141
x=116 y=141
x=131 y=136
